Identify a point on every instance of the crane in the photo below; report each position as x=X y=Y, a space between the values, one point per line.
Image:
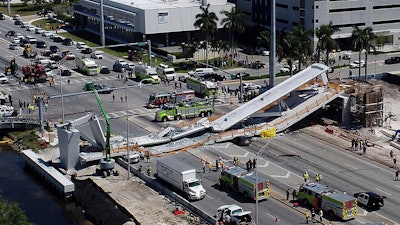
x=107 y=164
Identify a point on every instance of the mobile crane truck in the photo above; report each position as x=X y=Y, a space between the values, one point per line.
x=184 y=110
x=334 y=203
x=107 y=164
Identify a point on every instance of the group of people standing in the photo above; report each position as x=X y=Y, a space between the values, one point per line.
x=359 y=144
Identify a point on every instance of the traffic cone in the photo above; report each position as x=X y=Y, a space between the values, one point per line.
x=276 y=219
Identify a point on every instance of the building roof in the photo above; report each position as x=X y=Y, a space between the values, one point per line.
x=159 y=4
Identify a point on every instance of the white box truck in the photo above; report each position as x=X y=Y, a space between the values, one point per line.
x=181 y=177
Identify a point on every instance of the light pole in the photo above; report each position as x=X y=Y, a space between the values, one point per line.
x=258 y=154
x=127 y=135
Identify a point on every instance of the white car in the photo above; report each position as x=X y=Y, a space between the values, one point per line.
x=250 y=86
x=286 y=68
x=122 y=62
x=3 y=78
x=53 y=35
x=97 y=55
x=38 y=30
x=357 y=64
x=31 y=39
x=14 y=46
x=15 y=40
x=30 y=28
x=46 y=33
x=81 y=45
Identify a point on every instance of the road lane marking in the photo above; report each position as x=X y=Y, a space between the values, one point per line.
x=280 y=176
x=383 y=191
x=355 y=168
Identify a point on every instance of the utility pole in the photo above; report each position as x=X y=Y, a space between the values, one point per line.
x=272 y=47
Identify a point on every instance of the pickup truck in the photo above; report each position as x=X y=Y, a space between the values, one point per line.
x=236 y=214
x=370 y=200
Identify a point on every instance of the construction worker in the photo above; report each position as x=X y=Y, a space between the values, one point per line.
x=307 y=214
x=305 y=176
x=317 y=178
x=149 y=169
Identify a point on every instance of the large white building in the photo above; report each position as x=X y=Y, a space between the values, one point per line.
x=162 y=21
x=382 y=16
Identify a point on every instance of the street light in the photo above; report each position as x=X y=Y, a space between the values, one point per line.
x=265 y=134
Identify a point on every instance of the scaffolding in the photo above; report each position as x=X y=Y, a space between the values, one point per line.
x=366 y=105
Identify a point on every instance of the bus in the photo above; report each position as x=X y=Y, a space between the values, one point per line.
x=202 y=88
x=87 y=66
x=161 y=98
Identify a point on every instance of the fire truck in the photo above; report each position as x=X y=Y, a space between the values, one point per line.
x=334 y=203
x=35 y=73
x=184 y=110
x=161 y=98
x=245 y=182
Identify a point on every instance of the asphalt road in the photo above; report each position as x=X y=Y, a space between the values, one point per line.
x=340 y=169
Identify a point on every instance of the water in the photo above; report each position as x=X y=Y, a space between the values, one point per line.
x=40 y=204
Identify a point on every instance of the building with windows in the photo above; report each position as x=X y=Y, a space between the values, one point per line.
x=382 y=16
x=164 y=22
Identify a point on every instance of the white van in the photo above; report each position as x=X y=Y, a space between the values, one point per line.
x=200 y=72
x=165 y=71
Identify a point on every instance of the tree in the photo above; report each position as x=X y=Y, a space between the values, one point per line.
x=303 y=43
x=265 y=36
x=232 y=22
x=325 y=41
x=11 y=214
x=207 y=23
x=286 y=48
x=362 y=40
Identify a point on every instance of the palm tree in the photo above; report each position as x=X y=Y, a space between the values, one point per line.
x=232 y=22
x=362 y=40
x=207 y=23
x=303 y=43
x=325 y=41
x=286 y=48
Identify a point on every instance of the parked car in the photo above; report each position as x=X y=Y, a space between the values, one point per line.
x=97 y=55
x=54 y=49
x=250 y=86
x=56 y=57
x=46 y=52
x=81 y=45
x=58 y=39
x=105 y=70
x=357 y=64
x=68 y=55
x=3 y=78
x=18 y=22
x=286 y=68
x=65 y=72
x=68 y=42
x=24 y=24
x=41 y=44
x=214 y=77
x=38 y=30
x=30 y=28
x=393 y=60
x=31 y=39
x=2 y=17
x=14 y=46
x=46 y=33
x=370 y=200
x=16 y=17
x=15 y=40
x=11 y=33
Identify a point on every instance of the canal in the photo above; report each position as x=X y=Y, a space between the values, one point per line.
x=41 y=206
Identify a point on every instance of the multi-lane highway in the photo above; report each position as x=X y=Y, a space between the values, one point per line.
x=284 y=161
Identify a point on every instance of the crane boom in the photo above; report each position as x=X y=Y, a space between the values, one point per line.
x=108 y=132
